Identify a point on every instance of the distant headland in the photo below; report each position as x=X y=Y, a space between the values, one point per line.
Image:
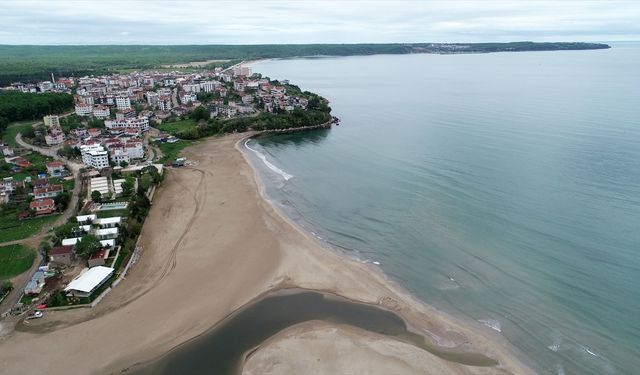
x=29 y=63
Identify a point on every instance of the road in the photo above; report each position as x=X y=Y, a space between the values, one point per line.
x=20 y=281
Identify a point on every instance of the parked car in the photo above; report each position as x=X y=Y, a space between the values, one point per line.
x=36 y=315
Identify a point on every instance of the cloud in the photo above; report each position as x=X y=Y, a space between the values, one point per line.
x=256 y=22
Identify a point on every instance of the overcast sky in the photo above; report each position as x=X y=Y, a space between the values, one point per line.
x=258 y=22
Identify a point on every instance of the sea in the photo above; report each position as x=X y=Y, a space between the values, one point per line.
x=501 y=188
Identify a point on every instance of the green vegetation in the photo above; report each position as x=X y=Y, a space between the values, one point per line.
x=33 y=63
x=174 y=127
x=9 y=134
x=112 y=213
x=17 y=106
x=88 y=245
x=170 y=151
x=12 y=229
x=14 y=260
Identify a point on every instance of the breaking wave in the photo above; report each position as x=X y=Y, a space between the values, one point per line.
x=266 y=162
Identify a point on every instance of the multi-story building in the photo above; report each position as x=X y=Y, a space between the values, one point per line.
x=83 y=109
x=101 y=112
x=209 y=86
x=119 y=155
x=141 y=123
x=152 y=98
x=54 y=136
x=164 y=103
x=191 y=87
x=123 y=102
x=187 y=97
x=94 y=156
x=134 y=149
x=51 y=120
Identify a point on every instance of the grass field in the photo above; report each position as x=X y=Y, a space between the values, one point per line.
x=170 y=151
x=14 y=260
x=11 y=229
x=112 y=213
x=9 y=136
x=176 y=126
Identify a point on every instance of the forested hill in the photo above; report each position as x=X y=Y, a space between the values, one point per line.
x=33 y=63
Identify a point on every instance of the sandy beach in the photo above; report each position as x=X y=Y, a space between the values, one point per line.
x=212 y=244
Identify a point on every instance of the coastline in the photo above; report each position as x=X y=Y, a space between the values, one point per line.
x=199 y=266
x=411 y=301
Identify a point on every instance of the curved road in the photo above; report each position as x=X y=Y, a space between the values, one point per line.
x=33 y=241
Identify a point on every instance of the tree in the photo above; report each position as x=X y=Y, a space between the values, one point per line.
x=128 y=185
x=200 y=113
x=88 y=245
x=96 y=196
x=28 y=132
x=124 y=164
x=62 y=200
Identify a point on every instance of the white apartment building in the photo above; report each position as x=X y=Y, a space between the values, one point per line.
x=134 y=149
x=54 y=137
x=141 y=123
x=94 y=156
x=164 y=103
x=118 y=155
x=101 y=112
x=87 y=99
x=152 y=98
x=191 y=87
x=84 y=109
x=188 y=97
x=123 y=102
x=51 y=120
x=209 y=86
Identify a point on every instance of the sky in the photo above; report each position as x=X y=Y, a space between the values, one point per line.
x=278 y=22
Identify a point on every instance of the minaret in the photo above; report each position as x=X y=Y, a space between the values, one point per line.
x=53 y=80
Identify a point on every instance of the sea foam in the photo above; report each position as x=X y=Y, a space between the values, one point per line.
x=266 y=162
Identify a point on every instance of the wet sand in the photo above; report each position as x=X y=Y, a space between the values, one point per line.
x=212 y=244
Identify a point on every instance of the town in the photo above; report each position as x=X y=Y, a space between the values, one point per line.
x=77 y=185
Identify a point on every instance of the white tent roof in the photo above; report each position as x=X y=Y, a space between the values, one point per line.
x=70 y=241
x=102 y=232
x=108 y=220
x=83 y=218
x=88 y=281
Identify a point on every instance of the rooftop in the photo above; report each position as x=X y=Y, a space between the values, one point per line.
x=91 y=279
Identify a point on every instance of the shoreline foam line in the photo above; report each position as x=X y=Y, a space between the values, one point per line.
x=269 y=165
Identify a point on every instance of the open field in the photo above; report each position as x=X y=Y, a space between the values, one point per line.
x=171 y=151
x=12 y=229
x=14 y=260
x=176 y=126
x=9 y=135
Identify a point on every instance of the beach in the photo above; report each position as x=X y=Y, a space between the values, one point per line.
x=211 y=244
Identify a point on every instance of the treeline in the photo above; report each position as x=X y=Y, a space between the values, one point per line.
x=17 y=106
x=32 y=63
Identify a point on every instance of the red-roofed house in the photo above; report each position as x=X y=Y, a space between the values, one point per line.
x=20 y=162
x=47 y=192
x=94 y=132
x=55 y=168
x=98 y=258
x=61 y=255
x=43 y=206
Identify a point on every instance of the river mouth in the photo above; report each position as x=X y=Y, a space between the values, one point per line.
x=222 y=349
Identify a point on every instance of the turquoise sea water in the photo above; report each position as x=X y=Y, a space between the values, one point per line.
x=502 y=188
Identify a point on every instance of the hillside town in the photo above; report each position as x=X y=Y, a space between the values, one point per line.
x=82 y=181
